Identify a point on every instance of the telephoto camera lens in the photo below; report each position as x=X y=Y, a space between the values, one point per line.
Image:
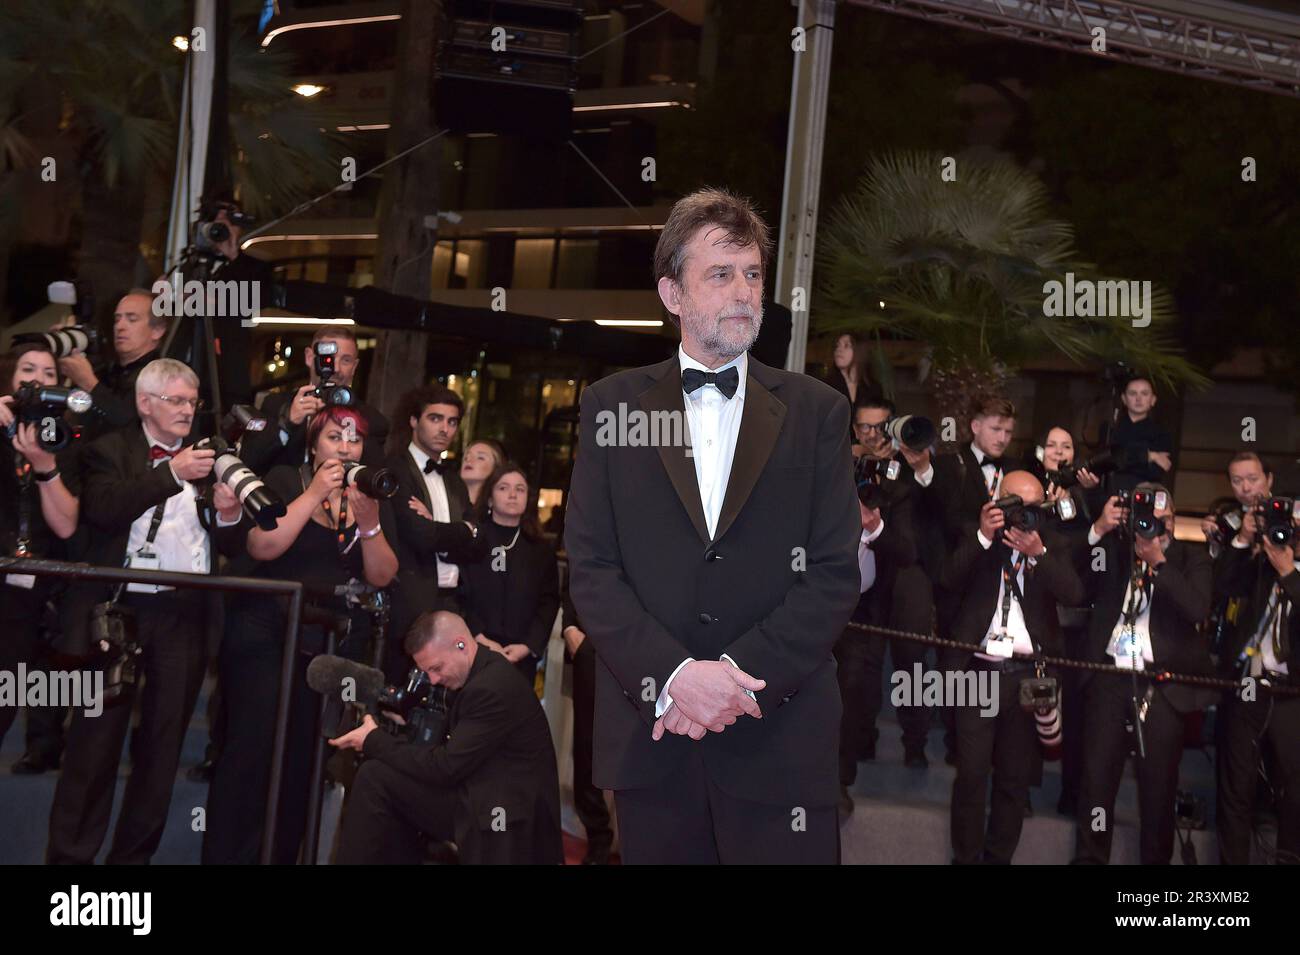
x=379 y=483
x=61 y=342
x=260 y=503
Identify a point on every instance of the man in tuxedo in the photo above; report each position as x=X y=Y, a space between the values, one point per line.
x=887 y=551
x=713 y=580
x=137 y=334
x=436 y=533
x=1265 y=576
x=1011 y=581
x=1150 y=594
x=490 y=785
x=142 y=506
x=283 y=441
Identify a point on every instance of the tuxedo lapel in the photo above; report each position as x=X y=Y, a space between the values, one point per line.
x=665 y=394
x=760 y=424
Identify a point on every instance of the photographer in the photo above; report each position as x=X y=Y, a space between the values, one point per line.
x=511 y=597
x=1011 y=580
x=332 y=538
x=490 y=786
x=144 y=511
x=1150 y=593
x=137 y=335
x=1141 y=447
x=437 y=532
x=38 y=511
x=283 y=442
x=887 y=549
x=1252 y=481
x=1264 y=574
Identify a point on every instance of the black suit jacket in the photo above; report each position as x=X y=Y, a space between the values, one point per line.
x=1239 y=573
x=263 y=450
x=499 y=759
x=958 y=490
x=114 y=398
x=896 y=547
x=516 y=604
x=419 y=541
x=118 y=485
x=773 y=588
x=976 y=574
x=1180 y=601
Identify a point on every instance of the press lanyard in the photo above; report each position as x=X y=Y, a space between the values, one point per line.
x=1010 y=571
x=23 y=472
x=341 y=528
x=1138 y=585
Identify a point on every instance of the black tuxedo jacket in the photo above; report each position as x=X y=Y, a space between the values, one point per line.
x=976 y=574
x=1180 y=601
x=896 y=547
x=1239 y=573
x=773 y=588
x=263 y=450
x=420 y=541
x=118 y=485
x=958 y=490
x=499 y=760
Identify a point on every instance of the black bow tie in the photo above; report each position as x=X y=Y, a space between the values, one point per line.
x=435 y=465
x=727 y=380
x=996 y=462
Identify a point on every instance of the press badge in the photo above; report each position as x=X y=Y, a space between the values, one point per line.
x=143 y=560
x=25 y=581
x=1000 y=644
x=891 y=472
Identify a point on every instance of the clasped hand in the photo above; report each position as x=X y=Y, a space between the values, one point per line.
x=708 y=696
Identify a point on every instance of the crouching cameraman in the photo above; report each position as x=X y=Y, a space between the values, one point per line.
x=490 y=786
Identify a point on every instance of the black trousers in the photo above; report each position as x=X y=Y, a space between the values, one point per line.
x=386 y=813
x=1108 y=701
x=588 y=799
x=688 y=820
x=171 y=631
x=21 y=615
x=1071 y=683
x=1003 y=746
x=249 y=671
x=1248 y=727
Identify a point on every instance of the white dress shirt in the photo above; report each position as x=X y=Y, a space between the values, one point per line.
x=448 y=574
x=1016 y=626
x=714 y=423
x=867 y=556
x=181 y=543
x=1266 y=658
x=1141 y=628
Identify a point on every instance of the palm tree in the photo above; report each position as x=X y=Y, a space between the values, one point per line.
x=961 y=266
x=108 y=71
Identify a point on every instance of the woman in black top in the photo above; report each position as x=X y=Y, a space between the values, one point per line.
x=38 y=511
x=329 y=538
x=848 y=374
x=1057 y=450
x=511 y=598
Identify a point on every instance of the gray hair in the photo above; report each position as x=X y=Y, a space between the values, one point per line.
x=155 y=376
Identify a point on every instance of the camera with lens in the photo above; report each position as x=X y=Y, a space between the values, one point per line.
x=113 y=635
x=208 y=234
x=62 y=342
x=329 y=391
x=910 y=431
x=260 y=503
x=1033 y=517
x=421 y=706
x=1227 y=522
x=1067 y=475
x=868 y=472
x=379 y=483
x=1279 y=515
x=1039 y=693
x=1142 y=520
x=239 y=419
x=43 y=405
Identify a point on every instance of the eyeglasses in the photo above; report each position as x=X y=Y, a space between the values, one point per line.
x=176 y=401
x=872 y=427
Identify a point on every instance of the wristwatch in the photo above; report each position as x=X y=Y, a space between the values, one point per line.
x=44 y=476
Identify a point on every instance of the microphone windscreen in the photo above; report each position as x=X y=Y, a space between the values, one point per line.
x=327 y=674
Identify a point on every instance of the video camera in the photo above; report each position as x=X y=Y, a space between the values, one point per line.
x=1067 y=475
x=260 y=503
x=421 y=705
x=328 y=391
x=208 y=234
x=1279 y=516
x=43 y=405
x=1033 y=517
x=417 y=711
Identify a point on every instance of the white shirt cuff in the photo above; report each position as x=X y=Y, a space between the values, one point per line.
x=1093 y=537
x=984 y=541
x=222 y=522
x=665 y=699
x=869 y=536
x=924 y=478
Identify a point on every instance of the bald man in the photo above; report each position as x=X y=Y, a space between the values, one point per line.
x=1010 y=581
x=490 y=786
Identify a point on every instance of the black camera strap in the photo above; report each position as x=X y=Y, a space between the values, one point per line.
x=154 y=523
x=1010 y=585
x=1139 y=593
x=23 y=474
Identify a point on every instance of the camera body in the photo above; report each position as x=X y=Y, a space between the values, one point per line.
x=1279 y=516
x=113 y=636
x=43 y=405
x=1067 y=475
x=865 y=471
x=328 y=391
x=1142 y=520
x=421 y=705
x=1033 y=517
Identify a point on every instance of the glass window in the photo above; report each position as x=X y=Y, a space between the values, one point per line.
x=533 y=258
